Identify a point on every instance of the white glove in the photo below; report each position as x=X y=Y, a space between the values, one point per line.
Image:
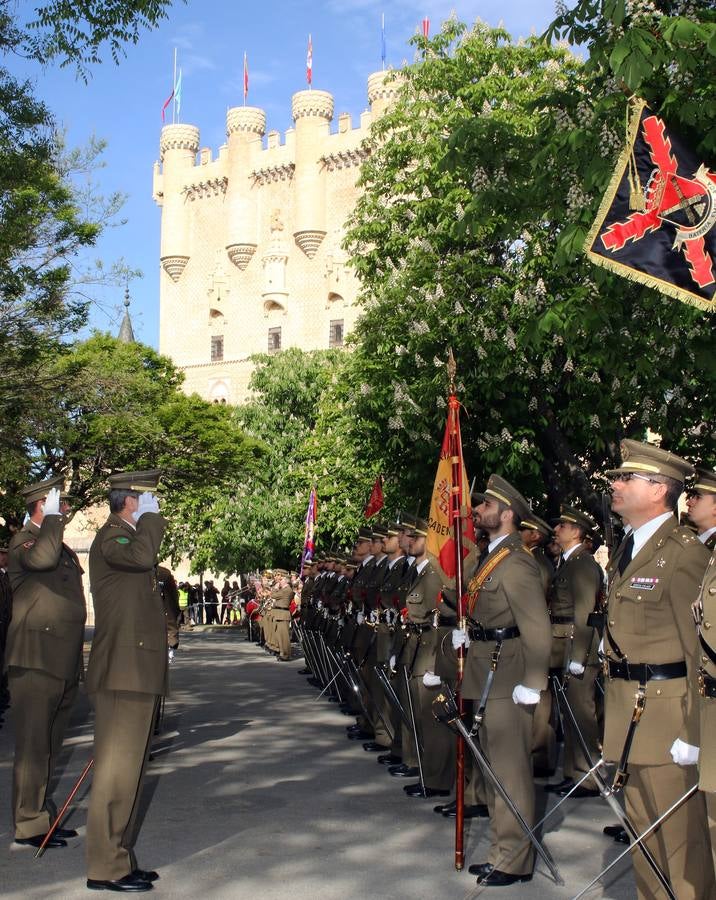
x=524 y=695
x=684 y=754
x=360 y=618
x=576 y=668
x=600 y=650
x=391 y=662
x=430 y=679
x=51 y=506
x=319 y=605
x=460 y=639
x=26 y=519
x=146 y=503
x=171 y=655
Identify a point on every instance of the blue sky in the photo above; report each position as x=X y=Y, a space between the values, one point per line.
x=122 y=104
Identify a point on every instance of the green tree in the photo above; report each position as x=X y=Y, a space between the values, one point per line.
x=477 y=193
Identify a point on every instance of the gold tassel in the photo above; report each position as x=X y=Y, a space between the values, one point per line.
x=637 y=201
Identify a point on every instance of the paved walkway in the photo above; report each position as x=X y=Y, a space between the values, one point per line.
x=256 y=793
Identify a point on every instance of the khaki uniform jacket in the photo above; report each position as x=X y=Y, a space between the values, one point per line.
x=391 y=593
x=545 y=566
x=129 y=649
x=650 y=618
x=282 y=598
x=573 y=592
x=707 y=705
x=374 y=582
x=423 y=599
x=511 y=596
x=49 y=612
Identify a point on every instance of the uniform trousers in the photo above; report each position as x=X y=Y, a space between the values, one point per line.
x=123 y=728
x=680 y=845
x=439 y=743
x=544 y=739
x=41 y=707
x=711 y=810
x=506 y=738
x=283 y=635
x=581 y=697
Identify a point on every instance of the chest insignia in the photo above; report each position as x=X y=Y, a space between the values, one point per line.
x=28 y=544
x=661 y=562
x=122 y=540
x=643 y=584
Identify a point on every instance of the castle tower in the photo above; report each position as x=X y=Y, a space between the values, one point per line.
x=245 y=126
x=178 y=147
x=312 y=114
x=383 y=89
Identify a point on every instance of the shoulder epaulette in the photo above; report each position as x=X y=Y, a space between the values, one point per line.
x=683 y=535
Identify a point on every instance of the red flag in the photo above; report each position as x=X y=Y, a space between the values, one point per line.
x=426 y=27
x=246 y=78
x=309 y=61
x=375 y=502
x=443 y=506
x=169 y=100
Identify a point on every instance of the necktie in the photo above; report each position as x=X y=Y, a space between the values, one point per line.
x=625 y=558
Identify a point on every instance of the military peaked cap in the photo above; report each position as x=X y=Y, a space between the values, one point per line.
x=705 y=481
x=648 y=459
x=576 y=517
x=140 y=482
x=40 y=489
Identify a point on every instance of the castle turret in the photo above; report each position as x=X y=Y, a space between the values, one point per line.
x=178 y=148
x=383 y=90
x=312 y=114
x=245 y=126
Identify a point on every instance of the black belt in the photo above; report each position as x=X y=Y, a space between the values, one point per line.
x=416 y=628
x=478 y=633
x=562 y=620
x=644 y=672
x=707 y=685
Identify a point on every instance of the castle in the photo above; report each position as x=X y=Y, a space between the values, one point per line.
x=251 y=240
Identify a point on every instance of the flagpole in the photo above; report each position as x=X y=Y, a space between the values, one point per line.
x=456 y=504
x=174 y=84
x=382 y=39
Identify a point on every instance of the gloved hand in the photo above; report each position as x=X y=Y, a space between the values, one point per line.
x=684 y=754
x=26 y=519
x=319 y=605
x=524 y=695
x=430 y=679
x=360 y=618
x=391 y=662
x=146 y=503
x=576 y=668
x=51 y=506
x=171 y=655
x=460 y=638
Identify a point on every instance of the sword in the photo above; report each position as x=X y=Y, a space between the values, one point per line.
x=607 y=792
x=446 y=711
x=392 y=695
x=61 y=813
x=414 y=728
x=638 y=840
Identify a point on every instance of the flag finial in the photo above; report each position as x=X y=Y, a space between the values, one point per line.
x=451 y=370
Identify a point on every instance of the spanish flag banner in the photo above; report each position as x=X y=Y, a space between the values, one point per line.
x=657 y=221
x=450 y=500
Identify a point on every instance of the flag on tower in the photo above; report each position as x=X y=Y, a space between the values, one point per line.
x=657 y=221
x=166 y=103
x=382 y=39
x=426 y=28
x=309 y=62
x=177 y=95
x=246 y=78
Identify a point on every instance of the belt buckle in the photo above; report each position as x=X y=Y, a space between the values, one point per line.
x=605 y=668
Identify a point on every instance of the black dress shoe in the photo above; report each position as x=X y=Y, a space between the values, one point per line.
x=314 y=681
x=305 y=672
x=65 y=832
x=496 y=878
x=478 y=811
x=577 y=793
x=146 y=875
x=353 y=727
x=444 y=809
x=372 y=747
x=130 y=883
x=390 y=759
x=360 y=736
x=403 y=771
x=417 y=790
x=563 y=785
x=612 y=830
x=36 y=841
x=542 y=772
x=480 y=869
x=621 y=837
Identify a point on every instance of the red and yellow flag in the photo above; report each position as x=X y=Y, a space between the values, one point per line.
x=451 y=497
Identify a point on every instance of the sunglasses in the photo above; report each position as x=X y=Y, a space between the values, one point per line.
x=630 y=476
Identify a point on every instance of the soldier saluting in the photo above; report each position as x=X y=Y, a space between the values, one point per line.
x=126 y=675
x=44 y=656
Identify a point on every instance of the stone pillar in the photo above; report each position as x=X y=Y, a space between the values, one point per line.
x=382 y=94
x=312 y=114
x=178 y=148
x=245 y=126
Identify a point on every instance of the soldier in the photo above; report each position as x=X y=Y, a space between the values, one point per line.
x=282 y=594
x=702 y=507
x=536 y=534
x=705 y=615
x=126 y=676
x=509 y=624
x=44 y=656
x=574 y=591
x=5 y=617
x=170 y=601
x=652 y=654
